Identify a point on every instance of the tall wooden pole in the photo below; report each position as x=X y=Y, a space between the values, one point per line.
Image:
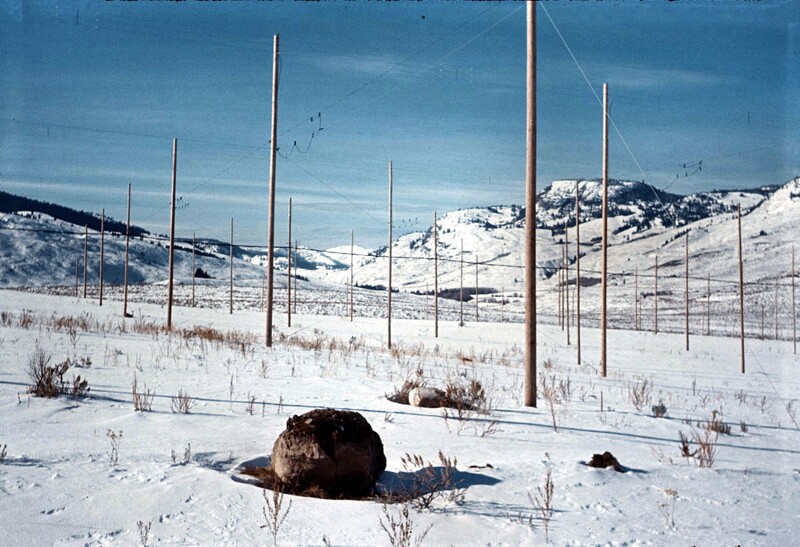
x=578 y=269
x=562 y=314
x=461 y=290
x=794 y=308
x=389 y=314
x=85 y=256
x=708 y=307
x=170 y=285
x=271 y=236
x=636 y=298
x=530 y=212
x=294 y=300
x=352 y=242
x=476 y=289
x=566 y=280
x=102 y=250
x=230 y=292
x=289 y=271
x=741 y=287
x=127 y=244
x=604 y=258
x=655 y=301
x=561 y=283
x=435 y=278
x=686 y=290
x=193 y=270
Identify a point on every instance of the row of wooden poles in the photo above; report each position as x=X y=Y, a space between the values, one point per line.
x=530 y=345
x=568 y=313
x=565 y=309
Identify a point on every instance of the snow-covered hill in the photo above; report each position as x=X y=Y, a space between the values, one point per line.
x=644 y=223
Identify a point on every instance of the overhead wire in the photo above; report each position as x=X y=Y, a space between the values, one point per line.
x=600 y=101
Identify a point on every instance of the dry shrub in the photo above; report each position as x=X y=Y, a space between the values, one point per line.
x=639 y=394
x=48 y=380
x=25 y=319
x=140 y=326
x=428 y=483
x=702 y=447
x=142 y=401
x=400 y=530
x=659 y=410
x=466 y=396
x=542 y=503
x=715 y=424
x=550 y=393
x=181 y=403
x=274 y=512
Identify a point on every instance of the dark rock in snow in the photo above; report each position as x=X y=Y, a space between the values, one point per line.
x=604 y=460
x=328 y=453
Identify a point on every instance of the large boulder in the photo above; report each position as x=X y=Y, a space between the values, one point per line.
x=328 y=453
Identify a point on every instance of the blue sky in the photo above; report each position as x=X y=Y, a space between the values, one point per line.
x=92 y=94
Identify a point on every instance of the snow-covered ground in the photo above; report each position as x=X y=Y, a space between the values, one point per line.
x=59 y=485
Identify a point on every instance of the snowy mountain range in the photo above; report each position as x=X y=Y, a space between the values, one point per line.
x=38 y=249
x=643 y=222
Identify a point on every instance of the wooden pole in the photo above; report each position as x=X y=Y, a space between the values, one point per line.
x=578 y=269
x=294 y=300
x=560 y=285
x=655 y=301
x=435 y=278
x=102 y=250
x=127 y=243
x=352 y=243
x=561 y=290
x=76 y=277
x=604 y=258
x=708 y=307
x=85 y=256
x=170 y=281
x=289 y=270
x=794 y=308
x=271 y=235
x=530 y=212
x=476 y=289
x=741 y=287
x=686 y=290
x=230 y=292
x=461 y=290
x=389 y=291
x=566 y=280
x=193 y=269
x=636 y=298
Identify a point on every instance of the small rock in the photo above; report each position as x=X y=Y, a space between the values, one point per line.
x=604 y=460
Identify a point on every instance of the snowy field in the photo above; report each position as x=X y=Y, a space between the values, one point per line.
x=93 y=471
